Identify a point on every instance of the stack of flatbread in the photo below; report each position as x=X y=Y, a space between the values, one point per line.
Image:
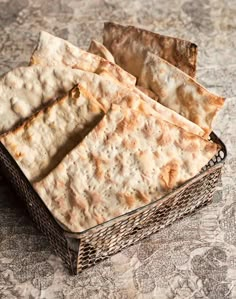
x=101 y=132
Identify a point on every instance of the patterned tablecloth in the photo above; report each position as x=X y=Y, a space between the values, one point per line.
x=194 y=258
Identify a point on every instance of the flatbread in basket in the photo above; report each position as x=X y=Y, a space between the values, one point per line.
x=131 y=158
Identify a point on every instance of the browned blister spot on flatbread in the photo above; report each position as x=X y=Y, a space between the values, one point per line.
x=169 y=174
x=79 y=202
x=60 y=202
x=59 y=184
x=164 y=139
x=121 y=163
x=145 y=159
x=130 y=143
x=127 y=124
x=95 y=197
x=19 y=155
x=143 y=196
x=130 y=200
x=156 y=154
x=148 y=130
x=126 y=199
x=98 y=217
x=75 y=93
x=99 y=171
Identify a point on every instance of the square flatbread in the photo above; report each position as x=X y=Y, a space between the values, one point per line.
x=42 y=141
x=129 y=45
x=179 y=92
x=53 y=51
x=131 y=158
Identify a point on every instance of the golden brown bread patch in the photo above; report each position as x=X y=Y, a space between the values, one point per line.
x=179 y=92
x=42 y=141
x=119 y=176
x=129 y=45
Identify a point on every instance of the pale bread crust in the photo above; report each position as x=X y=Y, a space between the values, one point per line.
x=41 y=142
x=19 y=141
x=179 y=92
x=26 y=89
x=25 y=141
x=129 y=44
x=100 y=50
x=107 y=91
x=170 y=115
x=130 y=159
x=53 y=51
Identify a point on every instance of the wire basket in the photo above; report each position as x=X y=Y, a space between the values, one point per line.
x=82 y=250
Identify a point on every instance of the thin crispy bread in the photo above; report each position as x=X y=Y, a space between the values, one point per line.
x=20 y=98
x=42 y=141
x=52 y=50
x=129 y=44
x=100 y=50
x=176 y=90
x=108 y=91
x=130 y=159
x=24 y=90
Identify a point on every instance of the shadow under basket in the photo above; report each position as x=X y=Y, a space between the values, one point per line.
x=82 y=250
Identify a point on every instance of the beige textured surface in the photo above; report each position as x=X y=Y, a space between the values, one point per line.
x=131 y=158
x=103 y=90
x=193 y=258
x=178 y=91
x=19 y=97
x=43 y=140
x=52 y=50
x=129 y=45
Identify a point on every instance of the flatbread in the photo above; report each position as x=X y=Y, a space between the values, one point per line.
x=130 y=159
x=176 y=90
x=20 y=98
x=24 y=90
x=129 y=45
x=107 y=91
x=43 y=141
x=100 y=50
x=54 y=51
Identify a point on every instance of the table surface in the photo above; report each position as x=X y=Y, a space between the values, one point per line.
x=193 y=258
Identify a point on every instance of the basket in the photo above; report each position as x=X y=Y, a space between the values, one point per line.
x=85 y=249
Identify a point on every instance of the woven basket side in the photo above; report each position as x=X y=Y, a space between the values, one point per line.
x=37 y=210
